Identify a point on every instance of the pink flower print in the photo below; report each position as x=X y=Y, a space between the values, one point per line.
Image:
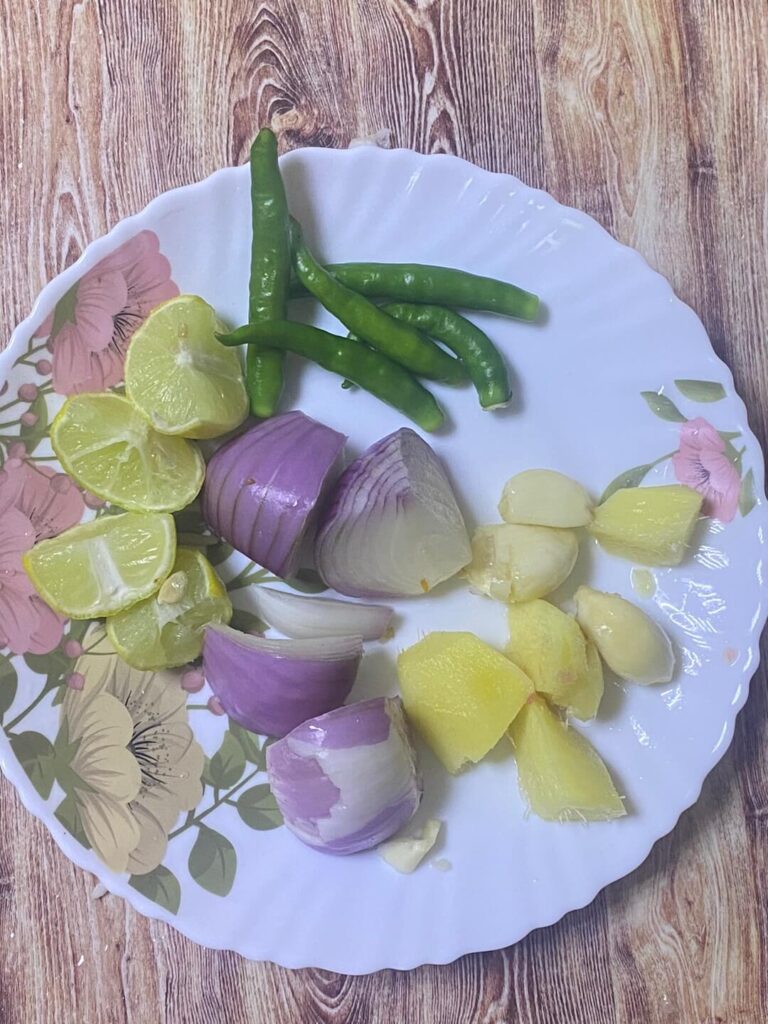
x=701 y=463
x=94 y=322
x=26 y=623
x=35 y=503
x=17 y=535
x=82 y=360
x=48 y=499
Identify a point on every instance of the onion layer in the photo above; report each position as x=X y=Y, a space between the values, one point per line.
x=347 y=781
x=262 y=488
x=312 y=617
x=393 y=528
x=271 y=686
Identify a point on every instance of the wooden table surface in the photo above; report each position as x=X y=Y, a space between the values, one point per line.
x=651 y=115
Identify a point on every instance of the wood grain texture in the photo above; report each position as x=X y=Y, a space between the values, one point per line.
x=653 y=117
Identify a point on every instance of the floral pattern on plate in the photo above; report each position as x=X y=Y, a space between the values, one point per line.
x=35 y=502
x=127 y=762
x=125 y=754
x=91 y=327
x=662 y=743
x=706 y=459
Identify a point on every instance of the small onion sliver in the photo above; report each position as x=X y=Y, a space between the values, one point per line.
x=262 y=489
x=346 y=781
x=393 y=527
x=271 y=686
x=311 y=617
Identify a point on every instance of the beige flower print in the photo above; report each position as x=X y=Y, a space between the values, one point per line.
x=136 y=757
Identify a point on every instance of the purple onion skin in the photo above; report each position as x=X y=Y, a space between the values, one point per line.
x=386 y=823
x=308 y=797
x=269 y=693
x=262 y=488
x=314 y=794
x=359 y=725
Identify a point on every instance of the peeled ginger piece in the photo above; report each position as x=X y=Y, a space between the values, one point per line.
x=461 y=694
x=650 y=525
x=559 y=772
x=520 y=563
x=543 y=497
x=551 y=649
x=628 y=640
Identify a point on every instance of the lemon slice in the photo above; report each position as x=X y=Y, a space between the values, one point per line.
x=104 y=566
x=166 y=629
x=180 y=377
x=110 y=449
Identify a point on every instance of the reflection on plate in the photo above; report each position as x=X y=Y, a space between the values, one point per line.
x=619 y=386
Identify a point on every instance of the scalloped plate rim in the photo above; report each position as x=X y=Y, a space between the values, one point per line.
x=85 y=859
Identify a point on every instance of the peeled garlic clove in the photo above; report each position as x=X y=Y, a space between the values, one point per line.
x=543 y=497
x=520 y=563
x=405 y=853
x=628 y=640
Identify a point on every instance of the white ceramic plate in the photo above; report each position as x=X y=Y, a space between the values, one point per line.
x=614 y=330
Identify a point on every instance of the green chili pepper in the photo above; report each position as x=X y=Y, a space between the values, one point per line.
x=372 y=370
x=482 y=359
x=401 y=342
x=440 y=286
x=270 y=271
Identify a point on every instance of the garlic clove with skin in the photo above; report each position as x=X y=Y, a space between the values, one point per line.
x=511 y=562
x=629 y=641
x=543 y=497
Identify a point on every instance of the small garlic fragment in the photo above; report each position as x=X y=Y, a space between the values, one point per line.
x=630 y=642
x=405 y=853
x=442 y=864
x=172 y=591
x=520 y=563
x=643 y=582
x=543 y=497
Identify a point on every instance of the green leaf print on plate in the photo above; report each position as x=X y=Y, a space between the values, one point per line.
x=227 y=765
x=8 y=684
x=161 y=886
x=38 y=759
x=629 y=478
x=68 y=815
x=258 y=808
x=249 y=742
x=213 y=861
x=701 y=390
x=747 y=498
x=663 y=407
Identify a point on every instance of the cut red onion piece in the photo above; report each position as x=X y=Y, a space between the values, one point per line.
x=271 y=686
x=312 y=617
x=393 y=527
x=262 y=488
x=347 y=781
